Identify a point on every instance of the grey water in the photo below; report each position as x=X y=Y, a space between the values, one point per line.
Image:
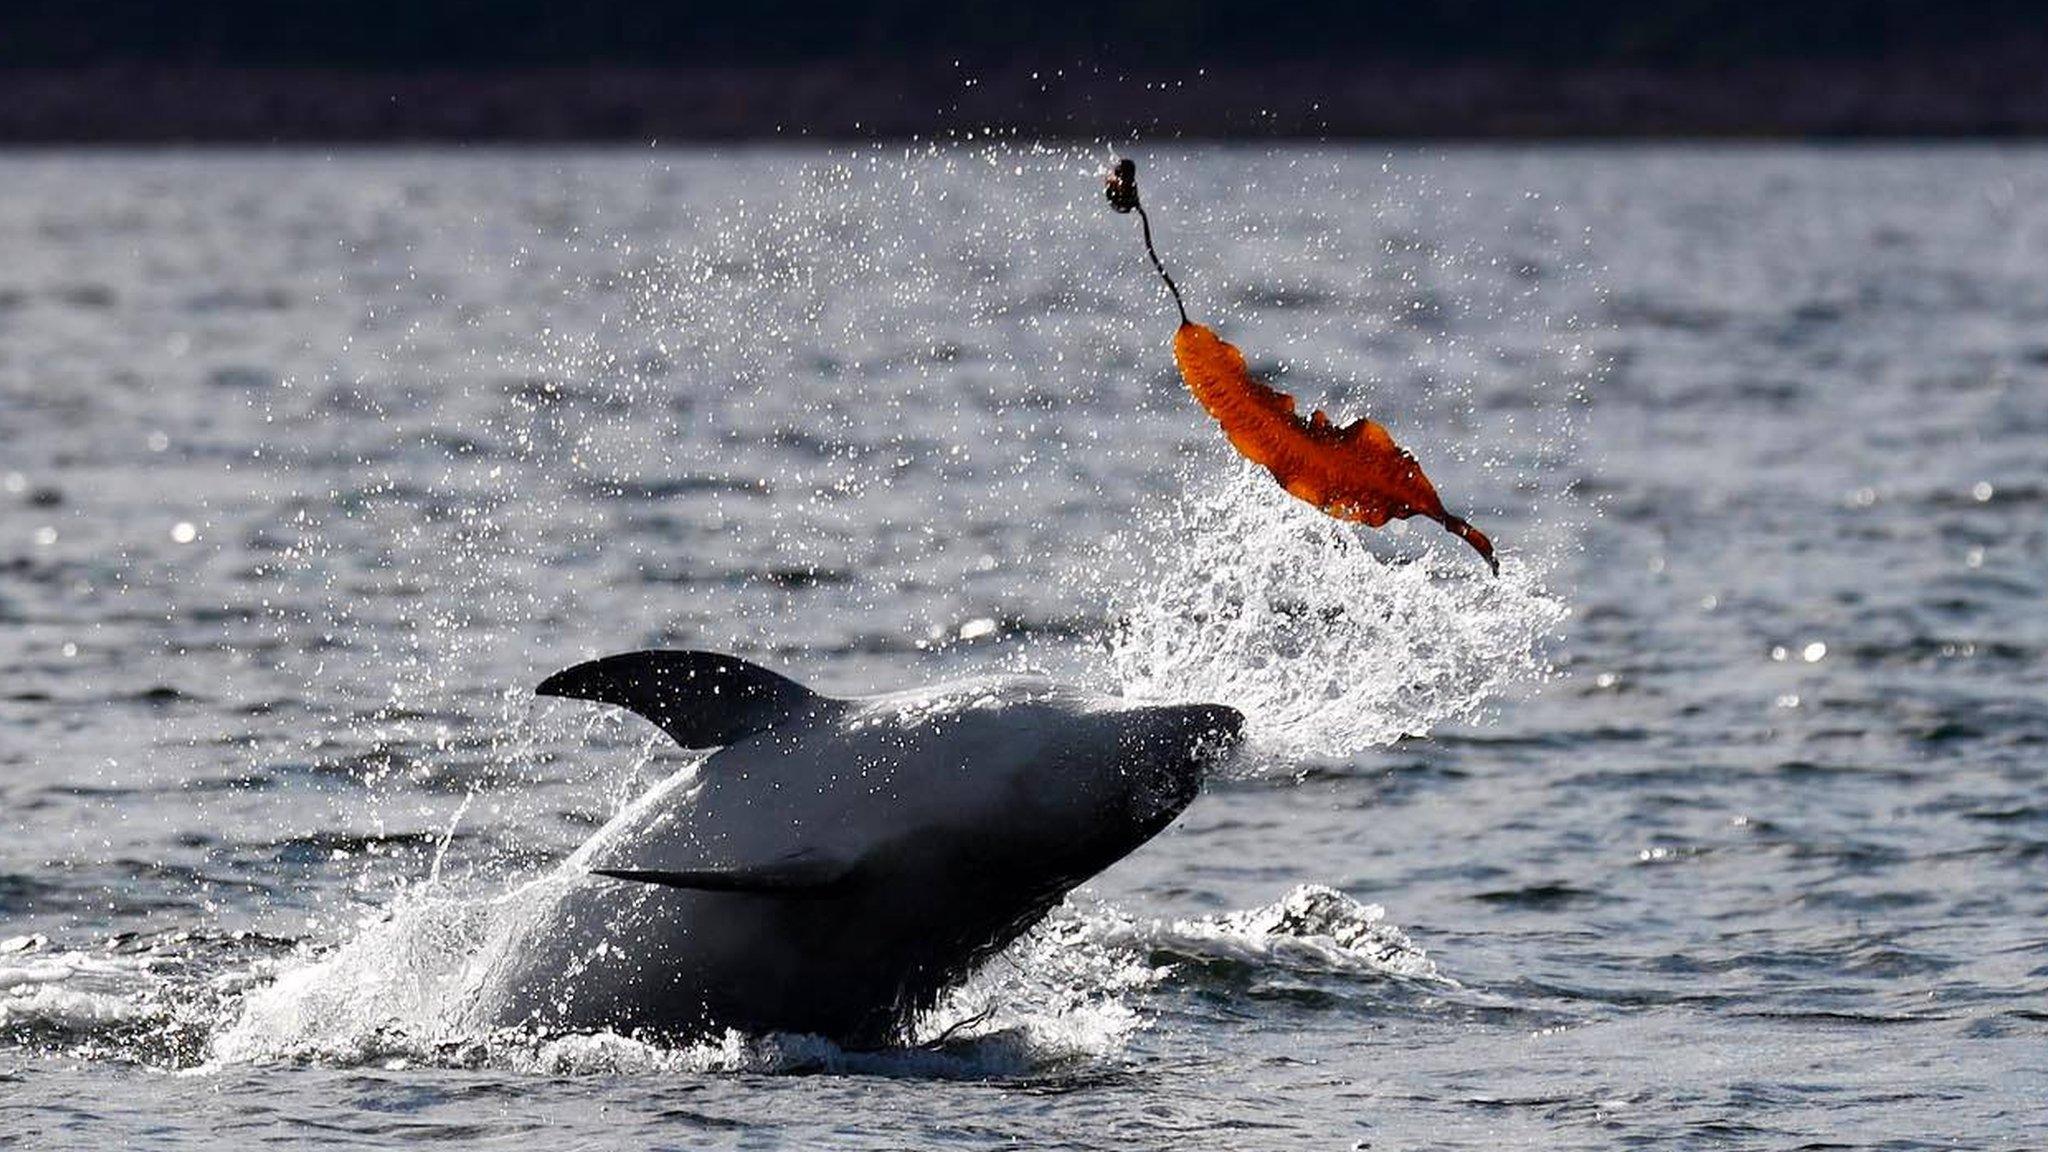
x=1720 y=819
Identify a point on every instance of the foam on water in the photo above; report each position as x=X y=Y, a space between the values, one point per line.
x=154 y=1001
x=70 y=991
x=1313 y=928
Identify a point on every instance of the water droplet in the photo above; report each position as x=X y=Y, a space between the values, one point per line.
x=184 y=532
x=1982 y=491
x=1813 y=652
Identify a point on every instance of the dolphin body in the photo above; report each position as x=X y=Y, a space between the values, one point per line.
x=838 y=863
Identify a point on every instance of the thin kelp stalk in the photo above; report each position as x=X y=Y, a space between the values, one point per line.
x=1351 y=472
x=1121 y=186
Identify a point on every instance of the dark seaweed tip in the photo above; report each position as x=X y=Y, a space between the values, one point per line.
x=1120 y=185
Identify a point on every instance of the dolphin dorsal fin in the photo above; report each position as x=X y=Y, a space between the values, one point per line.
x=701 y=699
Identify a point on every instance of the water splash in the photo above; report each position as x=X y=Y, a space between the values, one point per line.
x=1062 y=992
x=1071 y=995
x=1076 y=987
x=1260 y=602
x=396 y=988
x=398 y=992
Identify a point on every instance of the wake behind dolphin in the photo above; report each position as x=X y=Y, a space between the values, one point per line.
x=839 y=863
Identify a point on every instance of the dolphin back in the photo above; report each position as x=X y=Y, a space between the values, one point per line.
x=701 y=699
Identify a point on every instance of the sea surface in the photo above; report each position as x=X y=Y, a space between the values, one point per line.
x=1718 y=820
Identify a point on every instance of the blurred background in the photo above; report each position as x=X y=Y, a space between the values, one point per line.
x=144 y=71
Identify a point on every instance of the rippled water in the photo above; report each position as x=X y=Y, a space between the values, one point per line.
x=1718 y=820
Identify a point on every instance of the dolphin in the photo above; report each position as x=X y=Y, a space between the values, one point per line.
x=838 y=863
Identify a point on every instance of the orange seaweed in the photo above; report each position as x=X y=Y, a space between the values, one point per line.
x=1355 y=472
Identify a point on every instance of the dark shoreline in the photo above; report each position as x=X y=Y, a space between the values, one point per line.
x=1971 y=97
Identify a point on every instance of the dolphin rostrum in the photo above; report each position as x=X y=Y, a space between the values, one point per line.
x=839 y=863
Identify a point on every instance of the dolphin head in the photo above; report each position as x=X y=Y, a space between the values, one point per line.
x=1164 y=753
x=1063 y=789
